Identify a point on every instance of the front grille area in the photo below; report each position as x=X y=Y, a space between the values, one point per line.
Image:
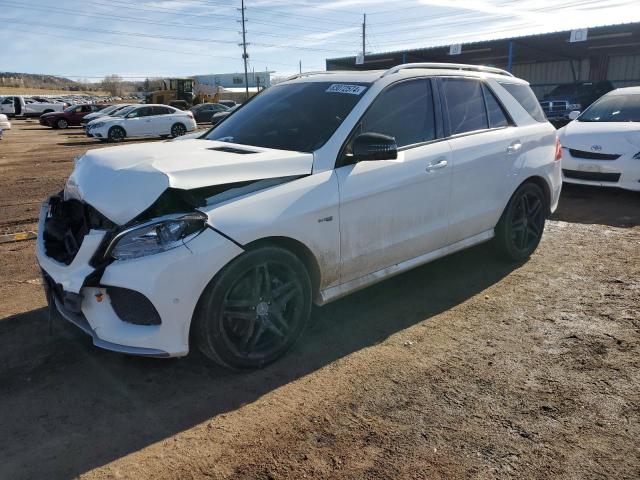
x=66 y=225
x=593 y=155
x=592 y=176
x=133 y=307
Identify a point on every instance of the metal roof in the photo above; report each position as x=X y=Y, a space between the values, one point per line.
x=622 y=38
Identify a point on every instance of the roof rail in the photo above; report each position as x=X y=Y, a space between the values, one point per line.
x=308 y=74
x=447 y=66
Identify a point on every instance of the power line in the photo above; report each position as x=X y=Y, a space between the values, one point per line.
x=198 y=54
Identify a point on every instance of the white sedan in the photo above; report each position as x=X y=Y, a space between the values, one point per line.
x=142 y=121
x=601 y=146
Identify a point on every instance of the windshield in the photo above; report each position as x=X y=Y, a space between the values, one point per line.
x=614 y=108
x=107 y=110
x=296 y=116
x=124 y=111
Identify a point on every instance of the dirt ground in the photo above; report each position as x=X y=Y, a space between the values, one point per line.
x=464 y=368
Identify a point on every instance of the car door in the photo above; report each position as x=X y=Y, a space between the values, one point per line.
x=6 y=106
x=485 y=147
x=395 y=210
x=138 y=122
x=162 y=121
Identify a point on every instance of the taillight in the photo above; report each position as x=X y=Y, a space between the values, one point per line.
x=558 y=150
x=190 y=113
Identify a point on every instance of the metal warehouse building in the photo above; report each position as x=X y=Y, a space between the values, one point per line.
x=598 y=53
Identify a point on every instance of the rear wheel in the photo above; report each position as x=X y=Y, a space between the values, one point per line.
x=178 y=130
x=116 y=134
x=62 y=123
x=254 y=310
x=520 y=228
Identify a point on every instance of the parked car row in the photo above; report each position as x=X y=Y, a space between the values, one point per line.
x=116 y=122
x=137 y=121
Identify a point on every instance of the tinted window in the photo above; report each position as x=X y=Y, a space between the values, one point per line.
x=614 y=108
x=465 y=105
x=161 y=111
x=403 y=111
x=497 y=117
x=299 y=116
x=525 y=97
x=141 y=112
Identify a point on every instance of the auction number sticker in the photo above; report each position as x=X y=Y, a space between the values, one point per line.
x=343 y=88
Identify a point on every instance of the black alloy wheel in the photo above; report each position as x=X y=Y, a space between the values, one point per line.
x=178 y=130
x=116 y=134
x=255 y=310
x=520 y=228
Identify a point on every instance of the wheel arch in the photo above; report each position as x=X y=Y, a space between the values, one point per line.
x=300 y=250
x=546 y=190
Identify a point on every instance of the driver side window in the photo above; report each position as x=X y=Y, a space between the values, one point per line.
x=403 y=111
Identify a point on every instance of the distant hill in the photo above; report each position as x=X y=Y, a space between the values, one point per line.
x=30 y=80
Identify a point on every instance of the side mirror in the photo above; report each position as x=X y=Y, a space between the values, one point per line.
x=374 y=146
x=574 y=114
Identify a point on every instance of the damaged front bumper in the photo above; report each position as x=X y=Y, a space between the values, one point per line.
x=171 y=282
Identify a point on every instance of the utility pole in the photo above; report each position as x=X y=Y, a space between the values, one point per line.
x=364 y=34
x=300 y=67
x=245 y=56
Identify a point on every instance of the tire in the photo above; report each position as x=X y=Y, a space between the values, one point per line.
x=116 y=134
x=62 y=123
x=520 y=228
x=254 y=310
x=178 y=129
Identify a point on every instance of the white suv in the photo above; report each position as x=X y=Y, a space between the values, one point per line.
x=142 y=121
x=317 y=187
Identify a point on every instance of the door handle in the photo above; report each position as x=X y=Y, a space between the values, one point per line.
x=514 y=147
x=437 y=165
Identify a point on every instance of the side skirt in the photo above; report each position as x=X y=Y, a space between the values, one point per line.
x=338 y=291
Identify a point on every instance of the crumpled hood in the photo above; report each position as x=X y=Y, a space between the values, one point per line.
x=612 y=137
x=122 y=182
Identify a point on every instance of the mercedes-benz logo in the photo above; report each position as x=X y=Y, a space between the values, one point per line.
x=596 y=148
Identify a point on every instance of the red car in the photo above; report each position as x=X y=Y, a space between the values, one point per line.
x=69 y=117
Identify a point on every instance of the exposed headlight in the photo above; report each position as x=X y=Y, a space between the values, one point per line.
x=158 y=235
x=71 y=190
x=574 y=106
x=637 y=156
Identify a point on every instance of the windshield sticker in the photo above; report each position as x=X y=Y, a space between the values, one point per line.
x=342 y=88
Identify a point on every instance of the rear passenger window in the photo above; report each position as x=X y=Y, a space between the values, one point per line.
x=525 y=97
x=465 y=104
x=403 y=111
x=495 y=112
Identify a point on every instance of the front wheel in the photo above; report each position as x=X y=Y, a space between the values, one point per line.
x=62 y=123
x=254 y=310
x=520 y=228
x=116 y=134
x=178 y=130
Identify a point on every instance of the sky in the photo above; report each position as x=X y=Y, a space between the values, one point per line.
x=88 y=39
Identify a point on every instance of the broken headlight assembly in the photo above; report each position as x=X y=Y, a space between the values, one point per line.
x=156 y=236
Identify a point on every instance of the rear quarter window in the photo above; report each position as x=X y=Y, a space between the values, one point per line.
x=526 y=98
